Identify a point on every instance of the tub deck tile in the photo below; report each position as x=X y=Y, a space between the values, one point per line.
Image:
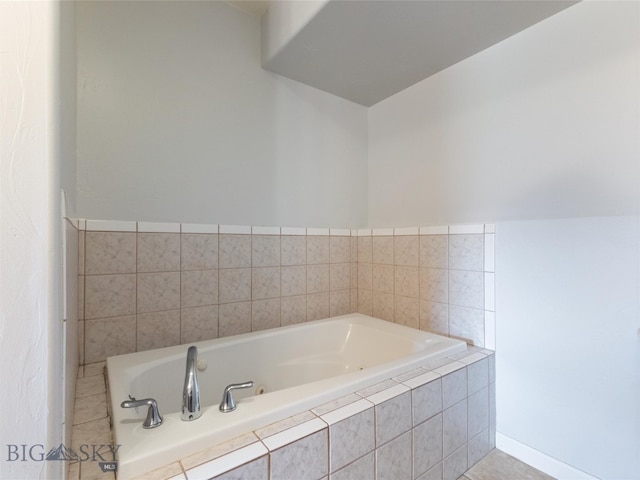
x=335 y=404
x=172 y=471
x=285 y=424
x=227 y=462
x=219 y=450
x=293 y=434
x=387 y=394
x=346 y=411
x=409 y=375
x=422 y=379
x=474 y=357
x=450 y=368
x=378 y=387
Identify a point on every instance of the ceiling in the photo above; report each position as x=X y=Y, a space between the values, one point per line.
x=366 y=51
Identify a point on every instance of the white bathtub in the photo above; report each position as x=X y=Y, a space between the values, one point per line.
x=299 y=367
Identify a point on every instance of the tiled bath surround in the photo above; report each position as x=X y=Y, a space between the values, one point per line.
x=147 y=285
x=433 y=422
x=439 y=279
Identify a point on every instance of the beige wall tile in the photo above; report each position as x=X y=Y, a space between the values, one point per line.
x=199 y=251
x=265 y=283
x=317 y=249
x=158 y=291
x=365 y=302
x=265 y=314
x=81 y=297
x=467 y=324
x=339 y=276
x=382 y=250
x=466 y=252
x=234 y=318
x=157 y=329
x=407 y=311
x=234 y=251
x=339 y=302
x=407 y=281
x=109 y=336
x=383 y=306
x=317 y=306
x=317 y=278
x=365 y=276
x=109 y=295
x=294 y=310
x=265 y=250
x=234 y=285
x=434 y=285
x=365 y=249
x=199 y=288
x=466 y=289
x=293 y=250
x=354 y=249
x=434 y=317
x=108 y=253
x=434 y=251
x=405 y=250
x=383 y=278
x=354 y=300
x=293 y=280
x=198 y=323
x=339 y=249
x=353 y=275
x=158 y=252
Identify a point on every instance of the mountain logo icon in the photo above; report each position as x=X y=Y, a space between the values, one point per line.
x=61 y=453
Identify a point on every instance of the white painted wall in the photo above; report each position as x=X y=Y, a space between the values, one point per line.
x=540 y=127
x=178 y=122
x=68 y=107
x=568 y=341
x=31 y=409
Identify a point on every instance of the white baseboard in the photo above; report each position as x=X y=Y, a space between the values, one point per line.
x=539 y=460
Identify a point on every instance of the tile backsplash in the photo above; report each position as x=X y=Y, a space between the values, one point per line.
x=149 y=285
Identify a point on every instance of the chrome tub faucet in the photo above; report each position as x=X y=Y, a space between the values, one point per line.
x=191 y=390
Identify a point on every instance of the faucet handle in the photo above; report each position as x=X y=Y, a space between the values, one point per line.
x=228 y=404
x=154 y=419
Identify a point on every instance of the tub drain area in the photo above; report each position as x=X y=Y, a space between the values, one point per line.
x=261 y=390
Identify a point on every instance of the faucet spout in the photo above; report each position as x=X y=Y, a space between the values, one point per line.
x=191 y=390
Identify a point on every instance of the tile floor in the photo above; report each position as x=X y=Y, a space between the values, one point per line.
x=500 y=466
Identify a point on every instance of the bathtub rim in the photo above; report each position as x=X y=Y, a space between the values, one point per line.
x=318 y=393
